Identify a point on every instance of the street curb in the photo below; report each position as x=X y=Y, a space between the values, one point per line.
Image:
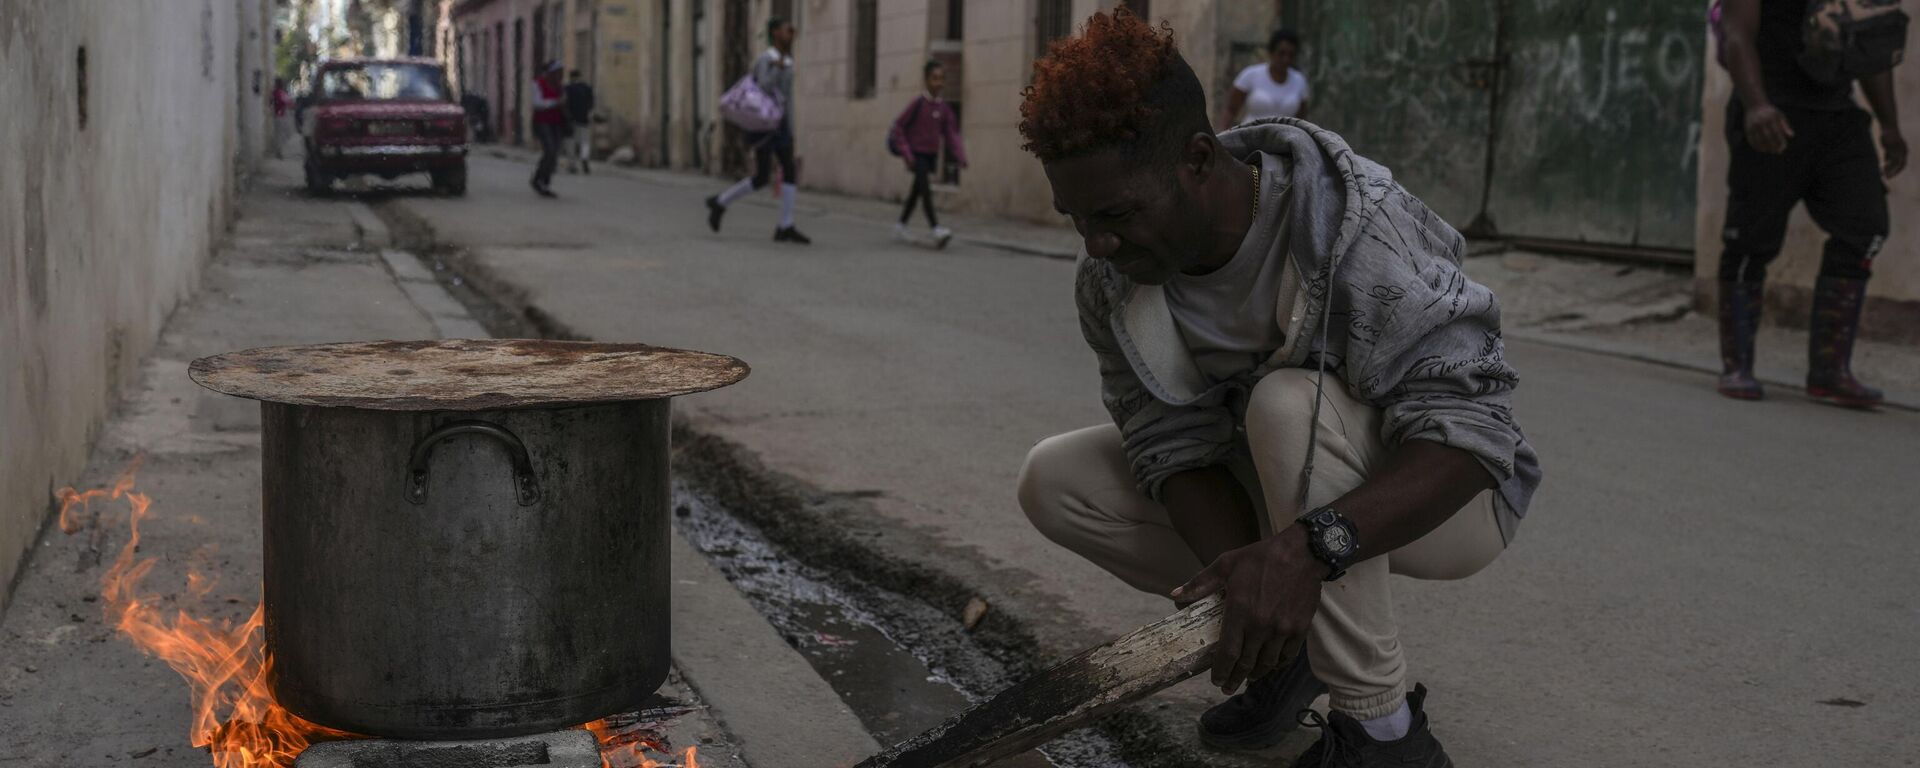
x=368 y=230
x=761 y=690
x=1895 y=400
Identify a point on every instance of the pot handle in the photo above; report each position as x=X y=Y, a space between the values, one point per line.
x=526 y=486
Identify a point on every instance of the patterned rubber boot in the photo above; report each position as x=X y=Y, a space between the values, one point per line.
x=1740 y=305
x=1836 y=321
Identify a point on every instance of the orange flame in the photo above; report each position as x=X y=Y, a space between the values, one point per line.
x=225 y=663
x=626 y=747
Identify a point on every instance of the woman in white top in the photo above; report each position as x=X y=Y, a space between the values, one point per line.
x=1273 y=89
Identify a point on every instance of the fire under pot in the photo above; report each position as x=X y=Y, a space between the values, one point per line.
x=465 y=539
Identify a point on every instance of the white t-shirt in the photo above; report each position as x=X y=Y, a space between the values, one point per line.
x=1266 y=98
x=1229 y=317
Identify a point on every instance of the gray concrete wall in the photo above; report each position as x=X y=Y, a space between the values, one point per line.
x=104 y=226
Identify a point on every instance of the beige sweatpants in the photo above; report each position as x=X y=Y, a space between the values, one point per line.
x=1078 y=491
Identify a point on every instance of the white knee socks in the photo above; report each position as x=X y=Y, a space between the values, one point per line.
x=787 y=193
x=740 y=189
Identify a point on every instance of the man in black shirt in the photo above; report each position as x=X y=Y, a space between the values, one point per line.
x=1794 y=138
x=580 y=114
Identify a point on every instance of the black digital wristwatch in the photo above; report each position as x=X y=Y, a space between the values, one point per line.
x=1330 y=537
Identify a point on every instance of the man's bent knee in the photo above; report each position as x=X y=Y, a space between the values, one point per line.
x=1041 y=490
x=1280 y=403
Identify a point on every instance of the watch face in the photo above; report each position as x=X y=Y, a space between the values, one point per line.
x=1336 y=539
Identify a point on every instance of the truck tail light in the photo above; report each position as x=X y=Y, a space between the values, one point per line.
x=336 y=125
x=449 y=126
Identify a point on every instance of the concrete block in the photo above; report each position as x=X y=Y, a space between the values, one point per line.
x=563 y=749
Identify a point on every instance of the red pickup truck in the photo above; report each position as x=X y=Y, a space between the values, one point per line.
x=385 y=117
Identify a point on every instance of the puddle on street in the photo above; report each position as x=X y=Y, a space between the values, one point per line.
x=885 y=678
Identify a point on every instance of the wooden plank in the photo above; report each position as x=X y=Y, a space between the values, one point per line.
x=1068 y=695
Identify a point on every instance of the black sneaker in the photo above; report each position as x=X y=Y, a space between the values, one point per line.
x=714 y=211
x=1345 y=744
x=791 y=235
x=1263 y=714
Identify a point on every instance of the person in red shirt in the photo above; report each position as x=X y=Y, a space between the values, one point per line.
x=281 y=102
x=549 y=125
x=917 y=137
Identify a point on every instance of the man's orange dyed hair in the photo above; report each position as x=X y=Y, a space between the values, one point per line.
x=1120 y=82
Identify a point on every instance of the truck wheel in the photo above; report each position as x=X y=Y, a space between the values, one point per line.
x=452 y=181
x=318 y=184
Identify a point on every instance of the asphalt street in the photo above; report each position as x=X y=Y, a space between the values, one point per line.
x=1700 y=581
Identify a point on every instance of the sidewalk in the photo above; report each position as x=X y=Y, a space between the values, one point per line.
x=1641 y=313
x=74 y=691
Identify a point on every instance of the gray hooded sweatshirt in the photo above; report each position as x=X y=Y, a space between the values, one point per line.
x=1406 y=330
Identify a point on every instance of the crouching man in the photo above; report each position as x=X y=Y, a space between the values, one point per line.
x=1307 y=393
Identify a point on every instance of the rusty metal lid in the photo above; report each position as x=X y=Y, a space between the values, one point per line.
x=464 y=374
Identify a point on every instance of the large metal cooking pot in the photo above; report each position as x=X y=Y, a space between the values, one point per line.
x=465 y=539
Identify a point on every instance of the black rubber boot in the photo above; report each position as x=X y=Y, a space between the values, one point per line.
x=1739 y=321
x=1345 y=744
x=1263 y=714
x=1836 y=321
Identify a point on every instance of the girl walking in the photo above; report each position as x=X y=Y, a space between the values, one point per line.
x=917 y=136
x=773 y=72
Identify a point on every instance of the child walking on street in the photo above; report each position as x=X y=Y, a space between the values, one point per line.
x=773 y=73
x=917 y=137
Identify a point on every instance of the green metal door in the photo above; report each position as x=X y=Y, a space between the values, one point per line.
x=1599 y=120
x=1407 y=83
x=1566 y=120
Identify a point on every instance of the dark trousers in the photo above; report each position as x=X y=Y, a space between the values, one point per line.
x=1830 y=165
x=768 y=147
x=923 y=165
x=549 y=136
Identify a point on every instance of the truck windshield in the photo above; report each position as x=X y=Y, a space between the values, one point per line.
x=404 y=82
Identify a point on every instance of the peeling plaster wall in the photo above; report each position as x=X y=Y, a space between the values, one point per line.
x=104 y=227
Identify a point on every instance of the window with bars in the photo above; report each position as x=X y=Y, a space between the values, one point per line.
x=866 y=54
x=1053 y=19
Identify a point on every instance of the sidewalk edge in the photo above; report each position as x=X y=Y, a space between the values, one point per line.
x=1895 y=400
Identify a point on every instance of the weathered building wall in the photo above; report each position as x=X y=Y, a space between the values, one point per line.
x=1893 y=308
x=841 y=137
x=606 y=40
x=105 y=222
x=1549 y=120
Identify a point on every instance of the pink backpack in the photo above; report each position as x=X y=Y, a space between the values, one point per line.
x=751 y=108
